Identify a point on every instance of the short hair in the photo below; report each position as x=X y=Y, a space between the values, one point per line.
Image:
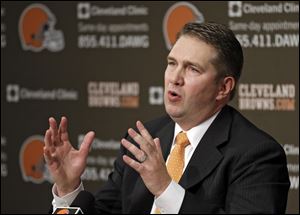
x=229 y=61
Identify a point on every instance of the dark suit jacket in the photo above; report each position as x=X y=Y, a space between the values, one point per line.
x=236 y=168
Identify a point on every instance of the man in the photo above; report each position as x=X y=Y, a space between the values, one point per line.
x=227 y=165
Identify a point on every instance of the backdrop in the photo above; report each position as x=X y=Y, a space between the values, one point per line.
x=101 y=64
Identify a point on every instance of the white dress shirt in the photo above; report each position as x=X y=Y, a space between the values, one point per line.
x=174 y=192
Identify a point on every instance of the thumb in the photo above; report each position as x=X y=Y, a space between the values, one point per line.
x=87 y=142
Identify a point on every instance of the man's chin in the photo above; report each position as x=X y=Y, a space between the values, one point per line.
x=174 y=112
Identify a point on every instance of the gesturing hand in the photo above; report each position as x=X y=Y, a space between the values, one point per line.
x=152 y=167
x=65 y=163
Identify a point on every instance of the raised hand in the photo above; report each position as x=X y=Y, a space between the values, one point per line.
x=65 y=163
x=152 y=167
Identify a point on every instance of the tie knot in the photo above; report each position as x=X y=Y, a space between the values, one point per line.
x=182 y=139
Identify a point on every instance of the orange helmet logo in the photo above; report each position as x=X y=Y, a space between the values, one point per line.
x=32 y=161
x=36 y=29
x=176 y=17
x=63 y=211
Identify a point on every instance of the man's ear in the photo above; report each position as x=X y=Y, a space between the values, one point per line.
x=226 y=87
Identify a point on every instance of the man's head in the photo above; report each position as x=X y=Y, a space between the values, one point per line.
x=203 y=68
x=229 y=59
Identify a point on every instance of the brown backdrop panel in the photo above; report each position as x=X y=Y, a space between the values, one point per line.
x=102 y=65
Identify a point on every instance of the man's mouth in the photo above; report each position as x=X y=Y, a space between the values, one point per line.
x=173 y=96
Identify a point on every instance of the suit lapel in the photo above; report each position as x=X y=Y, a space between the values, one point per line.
x=166 y=137
x=207 y=156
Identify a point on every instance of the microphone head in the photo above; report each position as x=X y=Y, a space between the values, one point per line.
x=68 y=210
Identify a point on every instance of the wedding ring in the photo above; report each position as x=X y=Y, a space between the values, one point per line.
x=143 y=158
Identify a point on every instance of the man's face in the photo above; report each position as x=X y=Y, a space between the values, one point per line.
x=190 y=81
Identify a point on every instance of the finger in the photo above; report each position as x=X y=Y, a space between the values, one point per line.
x=63 y=126
x=157 y=145
x=48 y=140
x=145 y=146
x=144 y=132
x=133 y=164
x=139 y=154
x=53 y=128
x=86 y=143
x=47 y=156
x=53 y=125
x=136 y=136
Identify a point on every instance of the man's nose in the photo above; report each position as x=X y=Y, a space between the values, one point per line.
x=177 y=76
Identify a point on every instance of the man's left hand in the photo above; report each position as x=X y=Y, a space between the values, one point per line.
x=152 y=167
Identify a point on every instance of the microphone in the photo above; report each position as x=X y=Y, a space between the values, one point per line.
x=82 y=204
x=68 y=210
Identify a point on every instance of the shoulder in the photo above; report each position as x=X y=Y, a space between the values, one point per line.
x=243 y=126
x=248 y=143
x=248 y=135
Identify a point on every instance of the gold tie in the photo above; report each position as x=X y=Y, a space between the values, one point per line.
x=176 y=160
x=175 y=163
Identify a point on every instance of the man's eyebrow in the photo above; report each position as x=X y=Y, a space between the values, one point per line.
x=171 y=58
x=192 y=63
x=187 y=62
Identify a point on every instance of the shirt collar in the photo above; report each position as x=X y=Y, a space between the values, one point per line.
x=196 y=133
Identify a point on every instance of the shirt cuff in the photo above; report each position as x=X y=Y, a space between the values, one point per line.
x=66 y=200
x=170 y=201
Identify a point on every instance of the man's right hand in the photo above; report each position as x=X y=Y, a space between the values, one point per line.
x=65 y=163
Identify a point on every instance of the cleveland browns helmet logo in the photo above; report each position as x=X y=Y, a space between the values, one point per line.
x=63 y=211
x=36 y=29
x=32 y=163
x=176 y=17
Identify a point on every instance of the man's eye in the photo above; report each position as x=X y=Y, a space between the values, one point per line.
x=171 y=63
x=193 y=69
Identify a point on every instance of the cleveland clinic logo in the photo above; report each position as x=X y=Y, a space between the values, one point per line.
x=156 y=95
x=12 y=93
x=176 y=17
x=83 y=11
x=234 y=8
x=15 y=93
x=36 y=30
